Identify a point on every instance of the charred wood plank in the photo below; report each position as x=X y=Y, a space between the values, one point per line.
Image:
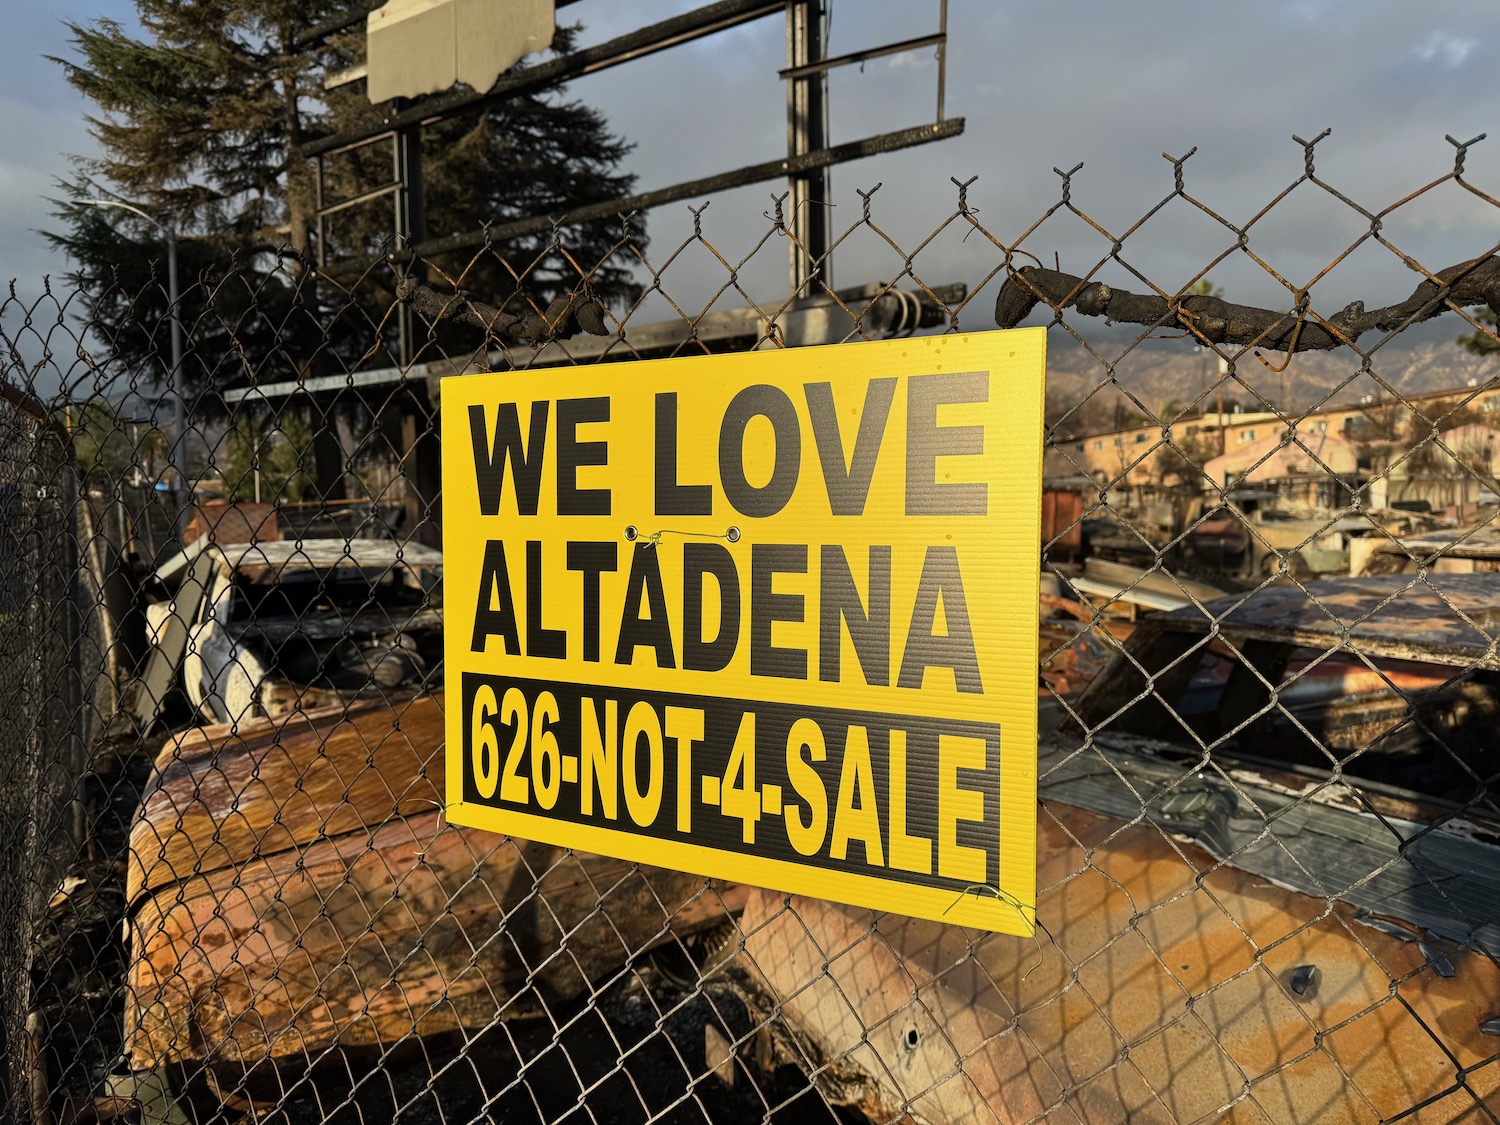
x=566 y=316
x=1214 y=320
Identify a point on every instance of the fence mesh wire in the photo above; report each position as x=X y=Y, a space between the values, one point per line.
x=1268 y=828
x=42 y=725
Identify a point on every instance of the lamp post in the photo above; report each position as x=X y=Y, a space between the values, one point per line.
x=178 y=449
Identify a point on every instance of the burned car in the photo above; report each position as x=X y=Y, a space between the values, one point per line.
x=1388 y=681
x=1232 y=921
x=262 y=628
x=1268 y=889
x=300 y=940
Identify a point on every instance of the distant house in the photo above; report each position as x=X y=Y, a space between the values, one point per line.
x=1358 y=444
x=1456 y=471
x=1276 y=456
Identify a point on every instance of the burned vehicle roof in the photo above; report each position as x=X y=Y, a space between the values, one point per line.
x=1363 y=714
x=278 y=557
x=269 y=626
x=1315 y=837
x=1451 y=618
x=1233 y=922
x=354 y=916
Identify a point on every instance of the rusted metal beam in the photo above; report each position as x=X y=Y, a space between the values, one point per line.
x=1212 y=320
x=755 y=173
x=637 y=44
x=863 y=56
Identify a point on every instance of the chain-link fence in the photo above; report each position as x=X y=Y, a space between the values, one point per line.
x=43 y=723
x=1268 y=830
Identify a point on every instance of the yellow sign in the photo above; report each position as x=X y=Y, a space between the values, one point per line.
x=769 y=617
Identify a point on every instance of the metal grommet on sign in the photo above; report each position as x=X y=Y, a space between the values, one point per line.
x=631 y=534
x=733 y=535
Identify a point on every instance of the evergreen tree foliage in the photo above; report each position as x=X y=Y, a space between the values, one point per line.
x=266 y=458
x=1480 y=342
x=200 y=118
x=102 y=446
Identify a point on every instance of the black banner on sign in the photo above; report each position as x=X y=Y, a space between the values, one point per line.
x=910 y=798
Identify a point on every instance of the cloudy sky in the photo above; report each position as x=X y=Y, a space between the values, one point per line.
x=1042 y=83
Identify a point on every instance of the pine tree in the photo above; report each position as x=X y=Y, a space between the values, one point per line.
x=265 y=458
x=1482 y=340
x=200 y=120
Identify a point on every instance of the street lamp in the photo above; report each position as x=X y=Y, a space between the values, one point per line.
x=179 y=416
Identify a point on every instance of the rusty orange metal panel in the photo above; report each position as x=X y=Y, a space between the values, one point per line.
x=1162 y=987
x=1062 y=527
x=294 y=886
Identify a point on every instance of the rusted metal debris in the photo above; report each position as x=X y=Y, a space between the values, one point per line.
x=1146 y=588
x=1235 y=990
x=1217 y=927
x=1385 y=683
x=1445 y=618
x=269 y=926
x=1213 y=320
x=1457 y=550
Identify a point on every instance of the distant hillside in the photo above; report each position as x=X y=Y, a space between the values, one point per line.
x=1156 y=372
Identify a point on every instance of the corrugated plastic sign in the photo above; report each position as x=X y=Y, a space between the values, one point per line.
x=768 y=617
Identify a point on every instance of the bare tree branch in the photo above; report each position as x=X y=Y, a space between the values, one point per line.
x=566 y=316
x=1217 y=321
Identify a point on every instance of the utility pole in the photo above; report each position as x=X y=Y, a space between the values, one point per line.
x=1223 y=374
x=177 y=450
